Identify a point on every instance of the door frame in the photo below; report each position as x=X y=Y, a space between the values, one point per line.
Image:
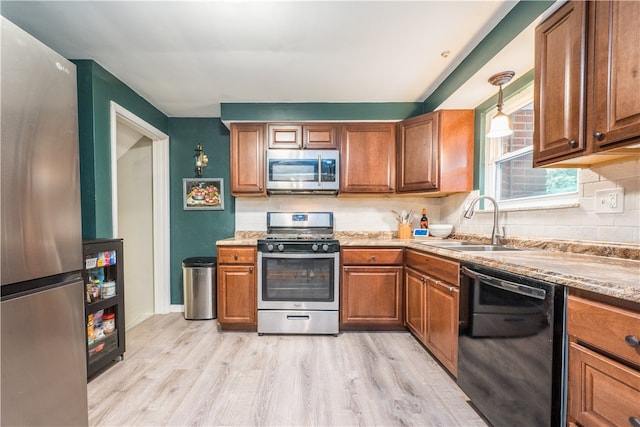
x=161 y=226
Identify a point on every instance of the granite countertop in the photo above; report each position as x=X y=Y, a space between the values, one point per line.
x=612 y=270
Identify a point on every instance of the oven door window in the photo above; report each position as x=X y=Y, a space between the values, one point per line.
x=299 y=170
x=298 y=279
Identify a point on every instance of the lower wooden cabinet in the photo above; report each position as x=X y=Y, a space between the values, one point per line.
x=237 y=297
x=431 y=301
x=415 y=303
x=604 y=364
x=442 y=321
x=371 y=289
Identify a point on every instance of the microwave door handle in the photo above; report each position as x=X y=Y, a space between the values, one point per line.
x=518 y=288
x=319 y=170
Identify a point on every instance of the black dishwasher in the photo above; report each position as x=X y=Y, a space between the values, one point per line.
x=511 y=348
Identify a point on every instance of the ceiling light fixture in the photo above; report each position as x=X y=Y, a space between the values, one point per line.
x=500 y=125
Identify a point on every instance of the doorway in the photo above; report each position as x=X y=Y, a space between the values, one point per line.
x=140 y=212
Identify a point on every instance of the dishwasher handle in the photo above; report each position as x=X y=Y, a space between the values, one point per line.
x=518 y=288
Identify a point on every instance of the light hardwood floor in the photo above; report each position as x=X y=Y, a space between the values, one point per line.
x=178 y=372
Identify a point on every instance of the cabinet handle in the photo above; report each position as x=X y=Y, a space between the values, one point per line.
x=346 y=270
x=250 y=269
x=433 y=184
x=632 y=341
x=235 y=257
x=445 y=286
x=598 y=135
x=260 y=188
x=634 y=421
x=373 y=257
x=573 y=143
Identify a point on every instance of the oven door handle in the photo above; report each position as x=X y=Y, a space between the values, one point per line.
x=297 y=317
x=305 y=255
x=517 y=288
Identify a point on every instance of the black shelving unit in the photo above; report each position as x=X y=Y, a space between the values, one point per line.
x=103 y=268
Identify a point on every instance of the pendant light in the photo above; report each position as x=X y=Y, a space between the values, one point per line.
x=500 y=125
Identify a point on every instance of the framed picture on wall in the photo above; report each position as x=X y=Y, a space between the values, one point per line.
x=203 y=193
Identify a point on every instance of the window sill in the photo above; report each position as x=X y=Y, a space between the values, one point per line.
x=533 y=207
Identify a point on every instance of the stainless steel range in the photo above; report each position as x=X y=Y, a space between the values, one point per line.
x=298 y=274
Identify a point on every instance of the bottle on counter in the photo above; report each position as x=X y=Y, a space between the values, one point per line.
x=424 y=221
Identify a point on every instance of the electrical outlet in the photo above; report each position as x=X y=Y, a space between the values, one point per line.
x=610 y=201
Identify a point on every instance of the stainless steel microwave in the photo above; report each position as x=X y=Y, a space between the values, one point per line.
x=303 y=171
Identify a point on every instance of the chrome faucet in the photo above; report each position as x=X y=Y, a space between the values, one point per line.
x=495 y=236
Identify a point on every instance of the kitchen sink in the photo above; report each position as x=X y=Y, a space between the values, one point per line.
x=483 y=248
x=449 y=243
x=466 y=246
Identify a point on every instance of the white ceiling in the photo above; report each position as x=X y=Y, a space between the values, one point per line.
x=186 y=57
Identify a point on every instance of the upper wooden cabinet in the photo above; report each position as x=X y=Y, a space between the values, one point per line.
x=322 y=136
x=368 y=158
x=587 y=77
x=435 y=152
x=313 y=136
x=559 y=91
x=615 y=74
x=284 y=135
x=247 y=159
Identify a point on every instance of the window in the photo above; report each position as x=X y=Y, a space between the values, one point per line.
x=509 y=175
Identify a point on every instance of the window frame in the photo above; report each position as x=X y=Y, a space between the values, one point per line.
x=517 y=95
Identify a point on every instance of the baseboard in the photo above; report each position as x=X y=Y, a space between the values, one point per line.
x=176 y=308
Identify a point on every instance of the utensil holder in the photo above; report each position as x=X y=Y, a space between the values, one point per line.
x=404 y=231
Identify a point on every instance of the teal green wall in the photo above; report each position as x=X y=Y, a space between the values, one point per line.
x=96 y=89
x=317 y=111
x=194 y=233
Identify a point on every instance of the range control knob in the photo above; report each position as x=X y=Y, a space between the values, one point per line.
x=325 y=247
x=270 y=247
x=281 y=247
x=314 y=247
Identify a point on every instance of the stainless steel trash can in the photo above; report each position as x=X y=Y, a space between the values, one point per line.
x=199 y=283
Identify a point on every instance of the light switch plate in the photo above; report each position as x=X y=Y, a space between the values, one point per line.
x=610 y=201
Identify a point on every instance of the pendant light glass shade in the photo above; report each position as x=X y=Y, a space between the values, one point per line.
x=500 y=125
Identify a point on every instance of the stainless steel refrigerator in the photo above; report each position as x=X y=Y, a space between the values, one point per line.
x=43 y=333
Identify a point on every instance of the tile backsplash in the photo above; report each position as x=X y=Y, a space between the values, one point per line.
x=575 y=222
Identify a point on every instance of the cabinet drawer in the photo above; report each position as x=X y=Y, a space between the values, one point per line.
x=604 y=326
x=372 y=256
x=236 y=255
x=602 y=392
x=436 y=267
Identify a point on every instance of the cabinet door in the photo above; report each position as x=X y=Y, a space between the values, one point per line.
x=601 y=391
x=559 y=85
x=443 y=323
x=237 y=295
x=247 y=159
x=368 y=158
x=615 y=116
x=417 y=161
x=284 y=136
x=319 y=136
x=371 y=295
x=415 y=303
